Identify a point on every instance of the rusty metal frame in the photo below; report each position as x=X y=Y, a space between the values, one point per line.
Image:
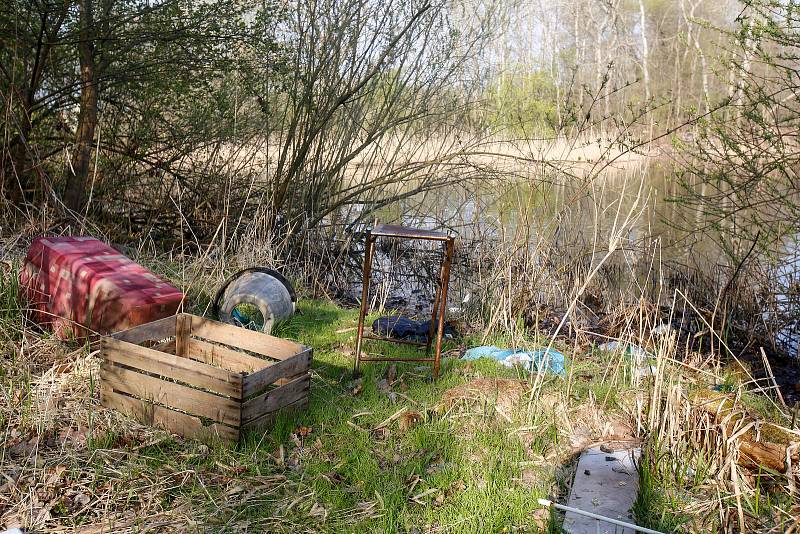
x=439 y=303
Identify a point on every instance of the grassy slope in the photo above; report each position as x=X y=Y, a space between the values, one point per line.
x=469 y=471
x=476 y=474
x=324 y=469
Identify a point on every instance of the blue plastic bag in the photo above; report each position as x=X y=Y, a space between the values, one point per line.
x=544 y=359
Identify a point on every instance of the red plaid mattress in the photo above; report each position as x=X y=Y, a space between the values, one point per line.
x=79 y=285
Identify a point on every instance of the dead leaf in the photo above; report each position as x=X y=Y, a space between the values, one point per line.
x=504 y=393
x=541 y=519
x=77 y=437
x=581 y=438
x=391 y=374
x=234 y=490
x=280 y=456
x=346 y=330
x=318 y=511
x=356 y=386
x=408 y=420
x=81 y=499
x=381 y=433
x=55 y=475
x=333 y=477
x=458 y=485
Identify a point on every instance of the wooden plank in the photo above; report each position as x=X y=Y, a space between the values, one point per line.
x=155 y=415
x=276 y=398
x=266 y=345
x=393 y=230
x=268 y=418
x=155 y=331
x=284 y=369
x=194 y=373
x=183 y=331
x=173 y=395
x=218 y=355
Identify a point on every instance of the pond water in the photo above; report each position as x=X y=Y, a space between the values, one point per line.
x=568 y=222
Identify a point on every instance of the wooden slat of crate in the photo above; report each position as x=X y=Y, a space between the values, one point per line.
x=269 y=346
x=290 y=367
x=212 y=354
x=183 y=398
x=268 y=418
x=155 y=331
x=183 y=369
x=276 y=398
x=183 y=330
x=155 y=415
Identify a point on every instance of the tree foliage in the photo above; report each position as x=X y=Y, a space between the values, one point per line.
x=95 y=90
x=742 y=173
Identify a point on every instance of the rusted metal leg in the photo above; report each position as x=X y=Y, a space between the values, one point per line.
x=368 y=248
x=435 y=312
x=448 y=260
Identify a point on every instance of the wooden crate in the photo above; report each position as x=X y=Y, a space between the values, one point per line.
x=201 y=378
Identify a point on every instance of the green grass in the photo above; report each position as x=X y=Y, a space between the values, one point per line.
x=328 y=470
x=470 y=481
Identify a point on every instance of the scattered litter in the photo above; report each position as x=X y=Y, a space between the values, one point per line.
x=649 y=370
x=603 y=486
x=255 y=298
x=399 y=327
x=546 y=360
x=627 y=348
x=662 y=330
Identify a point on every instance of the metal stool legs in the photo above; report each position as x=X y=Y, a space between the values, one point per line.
x=439 y=303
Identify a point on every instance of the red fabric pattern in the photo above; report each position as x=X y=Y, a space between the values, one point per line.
x=79 y=285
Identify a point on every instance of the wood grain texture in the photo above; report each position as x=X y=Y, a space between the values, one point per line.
x=183 y=331
x=393 y=230
x=288 y=368
x=155 y=331
x=194 y=373
x=236 y=361
x=155 y=415
x=173 y=395
x=263 y=344
x=276 y=398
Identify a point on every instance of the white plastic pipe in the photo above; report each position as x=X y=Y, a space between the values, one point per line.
x=551 y=504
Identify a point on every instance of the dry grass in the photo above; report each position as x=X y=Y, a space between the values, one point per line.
x=67 y=462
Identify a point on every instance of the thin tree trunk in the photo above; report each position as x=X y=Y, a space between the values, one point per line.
x=645 y=51
x=17 y=181
x=77 y=177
